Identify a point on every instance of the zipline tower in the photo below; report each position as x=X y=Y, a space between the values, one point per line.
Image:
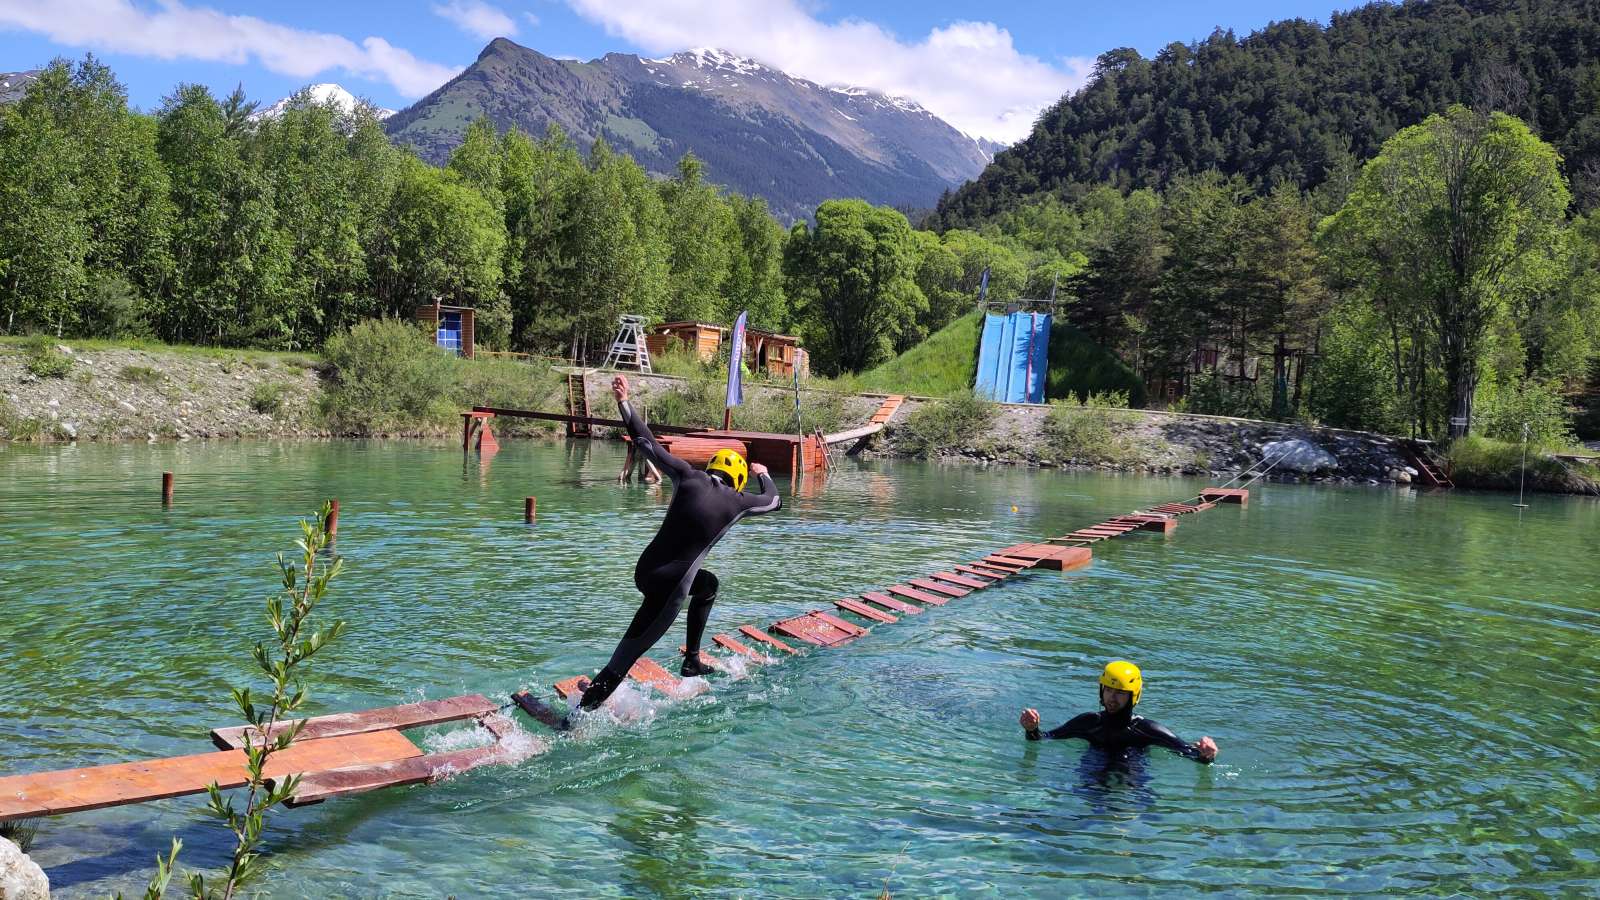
x=629 y=348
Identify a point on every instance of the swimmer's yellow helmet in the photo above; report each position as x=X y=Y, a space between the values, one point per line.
x=1123 y=676
x=731 y=463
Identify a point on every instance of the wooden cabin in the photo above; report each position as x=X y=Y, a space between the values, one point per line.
x=770 y=353
x=451 y=327
x=706 y=339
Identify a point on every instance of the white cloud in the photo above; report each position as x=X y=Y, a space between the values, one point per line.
x=968 y=74
x=478 y=19
x=181 y=32
x=532 y=19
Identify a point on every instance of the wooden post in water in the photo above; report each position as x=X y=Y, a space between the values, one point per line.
x=527 y=511
x=166 y=488
x=331 y=523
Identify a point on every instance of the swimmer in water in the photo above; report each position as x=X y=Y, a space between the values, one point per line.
x=1115 y=727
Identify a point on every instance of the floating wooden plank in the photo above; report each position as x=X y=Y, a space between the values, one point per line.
x=819 y=628
x=577 y=684
x=937 y=588
x=320 y=786
x=742 y=650
x=1010 y=566
x=1047 y=556
x=851 y=629
x=410 y=715
x=707 y=659
x=953 y=578
x=645 y=671
x=890 y=603
x=985 y=571
x=756 y=634
x=97 y=787
x=850 y=604
x=538 y=709
x=1226 y=495
x=919 y=596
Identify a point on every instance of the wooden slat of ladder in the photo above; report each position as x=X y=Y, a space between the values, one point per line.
x=97 y=787
x=986 y=572
x=850 y=604
x=919 y=596
x=320 y=786
x=410 y=715
x=854 y=631
x=645 y=671
x=891 y=603
x=577 y=684
x=756 y=634
x=937 y=588
x=1009 y=566
x=953 y=578
x=741 y=649
x=707 y=659
x=807 y=628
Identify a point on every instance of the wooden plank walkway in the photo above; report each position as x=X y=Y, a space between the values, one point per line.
x=349 y=753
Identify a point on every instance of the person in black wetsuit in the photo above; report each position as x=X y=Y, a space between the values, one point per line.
x=704 y=506
x=1115 y=728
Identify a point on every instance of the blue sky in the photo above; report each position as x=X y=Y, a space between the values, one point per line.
x=987 y=67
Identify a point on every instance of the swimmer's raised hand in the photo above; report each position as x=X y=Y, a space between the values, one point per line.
x=1030 y=720
x=619 y=387
x=757 y=469
x=1207 y=748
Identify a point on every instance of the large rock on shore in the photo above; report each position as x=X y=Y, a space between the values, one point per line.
x=20 y=877
x=1298 y=456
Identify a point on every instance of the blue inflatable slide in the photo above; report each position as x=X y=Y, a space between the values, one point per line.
x=1012 y=357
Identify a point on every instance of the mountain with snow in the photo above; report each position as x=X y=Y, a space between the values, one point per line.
x=14 y=84
x=320 y=93
x=758 y=130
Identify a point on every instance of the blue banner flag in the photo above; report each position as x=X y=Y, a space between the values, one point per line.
x=735 y=357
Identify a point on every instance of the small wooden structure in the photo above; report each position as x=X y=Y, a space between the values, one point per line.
x=770 y=353
x=450 y=326
x=701 y=337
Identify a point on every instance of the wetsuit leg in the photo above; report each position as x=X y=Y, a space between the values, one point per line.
x=652 y=620
x=702 y=594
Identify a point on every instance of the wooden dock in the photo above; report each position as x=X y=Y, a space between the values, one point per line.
x=351 y=753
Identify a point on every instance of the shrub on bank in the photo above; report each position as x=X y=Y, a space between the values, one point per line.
x=1482 y=462
x=959 y=421
x=385 y=376
x=1089 y=431
x=44 y=360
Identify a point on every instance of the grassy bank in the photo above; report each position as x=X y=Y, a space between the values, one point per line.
x=1479 y=462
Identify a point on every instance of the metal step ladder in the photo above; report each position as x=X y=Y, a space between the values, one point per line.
x=629 y=348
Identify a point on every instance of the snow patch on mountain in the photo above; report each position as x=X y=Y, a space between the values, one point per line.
x=320 y=93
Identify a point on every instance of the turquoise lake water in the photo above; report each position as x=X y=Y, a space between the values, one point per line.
x=1403 y=683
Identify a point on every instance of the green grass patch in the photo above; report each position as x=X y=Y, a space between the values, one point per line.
x=1090 y=432
x=267 y=397
x=962 y=420
x=44 y=360
x=1482 y=462
x=940 y=366
x=1081 y=369
x=144 y=375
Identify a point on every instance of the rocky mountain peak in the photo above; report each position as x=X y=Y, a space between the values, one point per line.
x=320 y=93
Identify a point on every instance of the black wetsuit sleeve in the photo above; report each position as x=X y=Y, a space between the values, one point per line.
x=649 y=446
x=1160 y=735
x=1078 y=726
x=769 y=500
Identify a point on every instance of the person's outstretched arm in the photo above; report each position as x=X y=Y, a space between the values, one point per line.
x=1077 y=726
x=1204 y=751
x=642 y=438
x=769 y=500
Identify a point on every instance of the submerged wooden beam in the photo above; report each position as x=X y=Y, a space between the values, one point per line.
x=97 y=787
x=410 y=715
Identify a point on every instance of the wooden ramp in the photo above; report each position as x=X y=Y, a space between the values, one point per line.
x=337 y=755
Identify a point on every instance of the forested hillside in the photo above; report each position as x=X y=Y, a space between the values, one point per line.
x=1300 y=103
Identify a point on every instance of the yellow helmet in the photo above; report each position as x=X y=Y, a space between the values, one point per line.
x=731 y=463
x=1123 y=676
